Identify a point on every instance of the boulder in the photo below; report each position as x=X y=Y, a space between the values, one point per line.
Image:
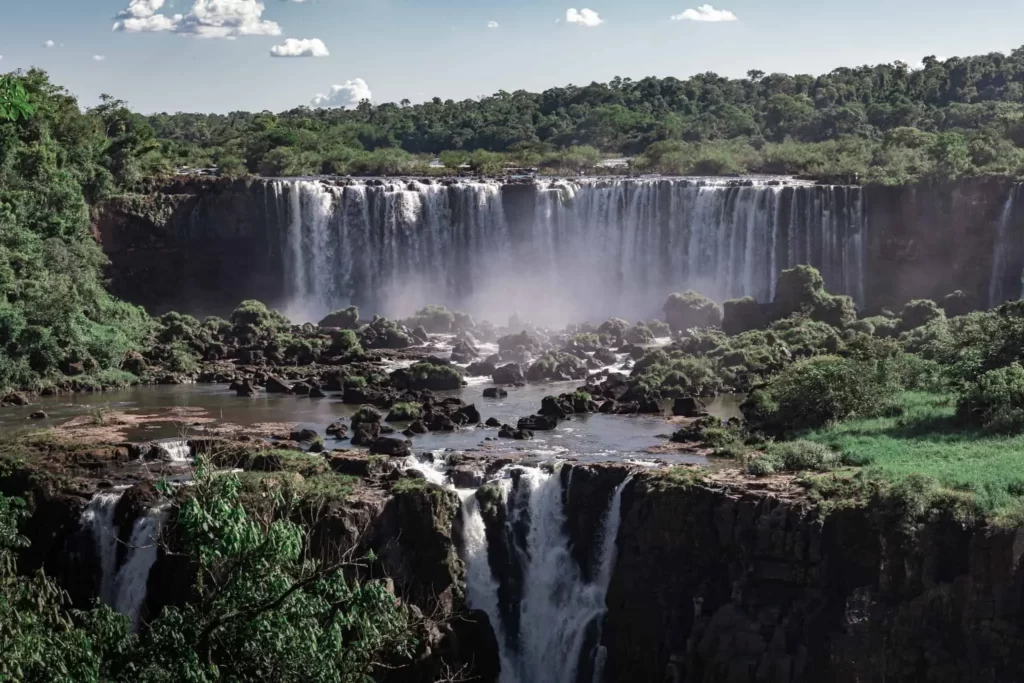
x=365 y=433
x=276 y=385
x=481 y=369
x=14 y=398
x=417 y=427
x=386 y=445
x=339 y=430
x=135 y=364
x=605 y=357
x=538 y=423
x=317 y=392
x=301 y=435
x=495 y=392
x=301 y=388
x=38 y=415
x=689 y=406
x=470 y=413
x=506 y=432
x=244 y=388
x=493 y=422
x=553 y=406
x=463 y=352
x=509 y=374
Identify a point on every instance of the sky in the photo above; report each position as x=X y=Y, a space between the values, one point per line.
x=230 y=55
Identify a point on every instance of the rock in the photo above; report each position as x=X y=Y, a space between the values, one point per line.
x=627 y=408
x=538 y=423
x=135 y=364
x=317 y=392
x=417 y=427
x=317 y=447
x=495 y=392
x=357 y=465
x=507 y=432
x=339 y=430
x=420 y=334
x=553 y=406
x=481 y=369
x=470 y=413
x=15 y=398
x=509 y=374
x=689 y=406
x=365 y=433
x=244 y=388
x=609 y=407
x=38 y=415
x=493 y=422
x=606 y=357
x=466 y=477
x=386 y=445
x=301 y=389
x=463 y=352
x=306 y=435
x=276 y=385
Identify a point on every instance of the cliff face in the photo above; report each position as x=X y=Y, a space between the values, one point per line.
x=742 y=586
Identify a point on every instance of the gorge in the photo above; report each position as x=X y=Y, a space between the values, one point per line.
x=554 y=250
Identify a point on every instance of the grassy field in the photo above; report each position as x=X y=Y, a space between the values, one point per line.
x=926 y=440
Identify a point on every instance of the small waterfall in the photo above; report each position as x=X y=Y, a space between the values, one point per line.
x=176 y=450
x=560 y=249
x=123 y=573
x=544 y=636
x=1007 y=244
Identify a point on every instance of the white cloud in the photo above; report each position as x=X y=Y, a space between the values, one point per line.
x=705 y=13
x=294 y=47
x=48 y=43
x=583 y=17
x=348 y=95
x=492 y=24
x=98 y=58
x=206 y=19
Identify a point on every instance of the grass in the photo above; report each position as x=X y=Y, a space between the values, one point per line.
x=926 y=441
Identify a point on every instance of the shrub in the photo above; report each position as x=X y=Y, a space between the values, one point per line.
x=613 y=327
x=918 y=313
x=883 y=326
x=814 y=392
x=669 y=375
x=801 y=290
x=252 y=320
x=995 y=399
x=355 y=382
x=346 y=318
x=956 y=304
x=511 y=342
x=639 y=334
x=795 y=456
x=365 y=414
x=434 y=319
x=742 y=315
x=689 y=310
x=345 y=342
x=404 y=412
x=659 y=328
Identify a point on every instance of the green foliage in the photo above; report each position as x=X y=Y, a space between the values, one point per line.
x=919 y=312
x=427 y=376
x=672 y=374
x=345 y=342
x=346 y=318
x=434 y=319
x=405 y=412
x=691 y=310
x=818 y=391
x=659 y=328
x=995 y=399
x=14 y=100
x=795 y=456
x=252 y=320
x=365 y=414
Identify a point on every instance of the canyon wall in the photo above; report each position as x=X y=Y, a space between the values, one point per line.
x=552 y=250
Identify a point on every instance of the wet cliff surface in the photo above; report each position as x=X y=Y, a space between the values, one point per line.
x=202 y=245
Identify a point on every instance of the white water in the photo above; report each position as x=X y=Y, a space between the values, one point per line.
x=559 y=610
x=558 y=250
x=123 y=587
x=432 y=471
x=1002 y=252
x=175 y=451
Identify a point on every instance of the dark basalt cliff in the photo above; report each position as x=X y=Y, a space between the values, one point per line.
x=202 y=245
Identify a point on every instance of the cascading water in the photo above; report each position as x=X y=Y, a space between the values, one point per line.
x=550 y=631
x=175 y=450
x=558 y=250
x=1007 y=244
x=123 y=575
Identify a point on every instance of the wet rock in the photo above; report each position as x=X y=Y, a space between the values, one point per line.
x=135 y=364
x=339 y=430
x=301 y=389
x=317 y=392
x=470 y=413
x=38 y=415
x=556 y=407
x=466 y=477
x=365 y=433
x=317 y=446
x=463 y=352
x=627 y=408
x=605 y=357
x=609 y=407
x=304 y=435
x=357 y=465
x=689 y=406
x=648 y=407
x=417 y=427
x=538 y=423
x=508 y=374
x=481 y=369
x=15 y=398
x=276 y=385
x=419 y=333
x=495 y=392
x=507 y=432
x=493 y=422
x=386 y=445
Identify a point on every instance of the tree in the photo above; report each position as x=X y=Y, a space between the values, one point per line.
x=14 y=101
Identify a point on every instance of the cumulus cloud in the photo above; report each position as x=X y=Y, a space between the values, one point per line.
x=492 y=24
x=583 y=17
x=295 y=47
x=48 y=43
x=348 y=95
x=206 y=19
x=98 y=58
x=705 y=13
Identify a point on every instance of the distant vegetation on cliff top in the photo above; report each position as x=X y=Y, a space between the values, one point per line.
x=888 y=123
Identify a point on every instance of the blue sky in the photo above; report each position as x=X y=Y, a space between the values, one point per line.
x=418 y=49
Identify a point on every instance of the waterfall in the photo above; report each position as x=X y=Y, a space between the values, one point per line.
x=1006 y=246
x=123 y=575
x=557 y=250
x=543 y=636
x=175 y=450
